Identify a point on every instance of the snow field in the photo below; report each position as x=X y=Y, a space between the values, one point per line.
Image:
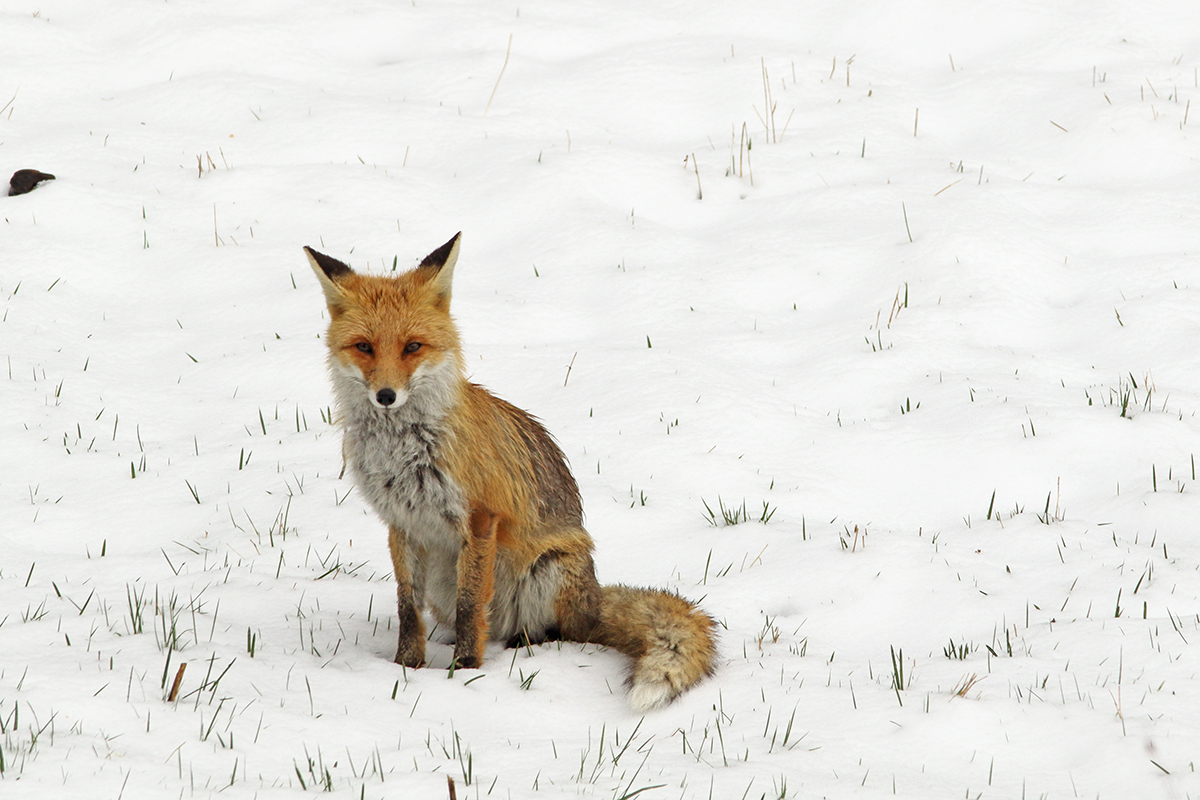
x=935 y=325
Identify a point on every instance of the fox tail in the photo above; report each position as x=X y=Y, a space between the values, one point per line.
x=671 y=641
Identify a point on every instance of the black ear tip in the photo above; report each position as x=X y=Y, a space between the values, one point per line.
x=437 y=259
x=330 y=266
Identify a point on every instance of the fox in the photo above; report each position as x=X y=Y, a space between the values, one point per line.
x=484 y=518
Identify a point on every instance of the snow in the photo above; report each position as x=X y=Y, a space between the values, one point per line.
x=907 y=338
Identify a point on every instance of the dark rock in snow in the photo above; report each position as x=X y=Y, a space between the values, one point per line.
x=24 y=180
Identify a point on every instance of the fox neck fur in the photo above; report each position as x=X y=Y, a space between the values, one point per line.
x=396 y=459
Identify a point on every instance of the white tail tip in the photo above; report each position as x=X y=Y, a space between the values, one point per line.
x=648 y=695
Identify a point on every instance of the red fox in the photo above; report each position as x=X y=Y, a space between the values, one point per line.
x=485 y=522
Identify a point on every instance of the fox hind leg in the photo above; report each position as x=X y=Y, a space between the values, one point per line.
x=556 y=597
x=559 y=598
x=577 y=603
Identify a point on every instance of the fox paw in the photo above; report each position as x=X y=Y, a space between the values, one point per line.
x=413 y=659
x=466 y=662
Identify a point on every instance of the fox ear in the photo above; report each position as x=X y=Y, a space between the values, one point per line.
x=442 y=261
x=329 y=271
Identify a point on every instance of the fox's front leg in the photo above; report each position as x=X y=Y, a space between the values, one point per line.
x=411 y=648
x=476 y=580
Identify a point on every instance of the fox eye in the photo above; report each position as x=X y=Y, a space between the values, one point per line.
x=412 y=347
x=365 y=347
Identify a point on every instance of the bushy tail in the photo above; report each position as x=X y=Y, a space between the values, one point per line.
x=672 y=642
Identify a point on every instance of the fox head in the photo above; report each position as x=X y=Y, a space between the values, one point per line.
x=391 y=339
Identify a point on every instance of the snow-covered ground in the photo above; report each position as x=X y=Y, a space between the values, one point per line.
x=935 y=317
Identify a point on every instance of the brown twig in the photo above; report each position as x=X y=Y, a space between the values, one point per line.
x=175 y=686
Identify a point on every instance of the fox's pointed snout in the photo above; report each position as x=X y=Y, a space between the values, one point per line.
x=388 y=397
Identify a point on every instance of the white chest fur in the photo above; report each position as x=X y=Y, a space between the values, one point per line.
x=396 y=468
x=394 y=456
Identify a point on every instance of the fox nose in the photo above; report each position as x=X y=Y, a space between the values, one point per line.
x=385 y=397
